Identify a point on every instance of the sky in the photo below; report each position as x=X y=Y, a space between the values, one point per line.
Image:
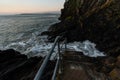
x=29 y=6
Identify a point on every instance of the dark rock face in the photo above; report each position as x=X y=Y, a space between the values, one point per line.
x=15 y=66
x=94 y=20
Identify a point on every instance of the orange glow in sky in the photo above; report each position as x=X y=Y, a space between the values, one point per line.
x=29 y=6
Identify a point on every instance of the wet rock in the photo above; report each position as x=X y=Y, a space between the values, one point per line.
x=90 y=68
x=81 y=71
x=10 y=54
x=45 y=33
x=15 y=66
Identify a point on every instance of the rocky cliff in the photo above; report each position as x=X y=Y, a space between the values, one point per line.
x=94 y=20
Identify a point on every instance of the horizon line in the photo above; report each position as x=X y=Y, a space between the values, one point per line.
x=31 y=13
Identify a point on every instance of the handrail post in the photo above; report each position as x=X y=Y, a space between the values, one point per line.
x=58 y=48
x=65 y=43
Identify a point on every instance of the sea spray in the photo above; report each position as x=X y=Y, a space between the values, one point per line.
x=38 y=46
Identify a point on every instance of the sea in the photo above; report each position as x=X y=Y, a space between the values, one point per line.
x=22 y=32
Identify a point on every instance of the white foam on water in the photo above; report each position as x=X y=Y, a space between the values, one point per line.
x=16 y=44
x=88 y=48
x=1 y=47
x=20 y=35
x=37 y=46
x=42 y=49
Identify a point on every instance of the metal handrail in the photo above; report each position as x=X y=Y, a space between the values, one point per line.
x=44 y=64
x=56 y=68
x=59 y=58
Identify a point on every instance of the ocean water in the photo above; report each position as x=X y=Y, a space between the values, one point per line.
x=22 y=33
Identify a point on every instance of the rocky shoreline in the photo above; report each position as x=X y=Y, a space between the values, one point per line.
x=94 y=20
x=16 y=66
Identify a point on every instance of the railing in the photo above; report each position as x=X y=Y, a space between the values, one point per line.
x=45 y=62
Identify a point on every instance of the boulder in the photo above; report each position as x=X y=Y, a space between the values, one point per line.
x=16 y=66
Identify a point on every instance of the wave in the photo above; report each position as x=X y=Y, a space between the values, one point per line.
x=39 y=46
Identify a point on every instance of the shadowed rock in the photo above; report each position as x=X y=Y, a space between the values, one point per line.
x=15 y=66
